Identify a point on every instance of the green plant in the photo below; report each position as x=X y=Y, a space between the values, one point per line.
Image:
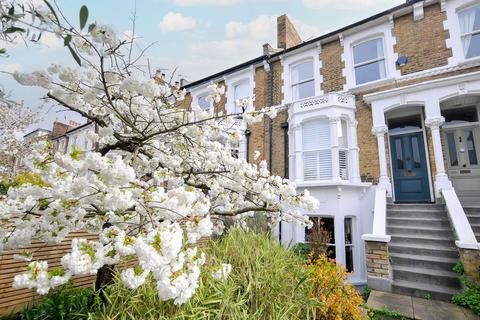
x=67 y=303
x=470 y=298
x=301 y=249
x=427 y=296
x=386 y=314
x=366 y=293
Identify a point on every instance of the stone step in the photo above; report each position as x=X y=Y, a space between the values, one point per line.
x=423 y=261
x=414 y=206
x=418 y=222
x=425 y=275
x=410 y=230
x=439 y=241
x=423 y=290
x=473 y=218
x=394 y=213
x=423 y=249
x=475 y=210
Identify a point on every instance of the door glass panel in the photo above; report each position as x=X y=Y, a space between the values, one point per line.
x=399 y=153
x=452 y=149
x=416 y=153
x=472 y=152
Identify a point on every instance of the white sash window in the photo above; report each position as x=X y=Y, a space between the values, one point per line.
x=203 y=102
x=317 y=153
x=241 y=91
x=302 y=80
x=470 y=31
x=369 y=61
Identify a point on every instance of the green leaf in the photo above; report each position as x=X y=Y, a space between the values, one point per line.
x=66 y=40
x=83 y=16
x=91 y=27
x=11 y=11
x=14 y=29
x=75 y=55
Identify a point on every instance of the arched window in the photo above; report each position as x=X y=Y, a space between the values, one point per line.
x=302 y=80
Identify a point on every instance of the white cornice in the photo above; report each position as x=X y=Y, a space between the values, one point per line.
x=369 y=98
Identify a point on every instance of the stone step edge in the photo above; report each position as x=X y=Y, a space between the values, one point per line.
x=427 y=272
x=422 y=246
x=425 y=287
x=420 y=257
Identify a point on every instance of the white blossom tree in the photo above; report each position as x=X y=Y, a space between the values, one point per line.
x=159 y=163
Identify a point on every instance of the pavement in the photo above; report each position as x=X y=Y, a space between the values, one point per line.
x=417 y=308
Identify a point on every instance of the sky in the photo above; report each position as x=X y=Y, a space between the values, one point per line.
x=199 y=37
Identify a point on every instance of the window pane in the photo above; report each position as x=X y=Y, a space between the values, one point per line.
x=203 y=103
x=348 y=231
x=460 y=115
x=342 y=134
x=471 y=45
x=370 y=72
x=398 y=125
x=302 y=71
x=416 y=152
x=304 y=90
x=472 y=152
x=399 y=153
x=367 y=51
x=469 y=20
x=349 y=258
x=316 y=135
x=452 y=149
x=329 y=226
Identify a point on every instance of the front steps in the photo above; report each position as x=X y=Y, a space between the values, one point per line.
x=473 y=215
x=422 y=251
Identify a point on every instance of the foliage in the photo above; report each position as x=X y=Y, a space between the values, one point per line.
x=386 y=314
x=366 y=293
x=159 y=163
x=267 y=281
x=470 y=298
x=66 y=303
x=318 y=238
x=301 y=249
x=327 y=282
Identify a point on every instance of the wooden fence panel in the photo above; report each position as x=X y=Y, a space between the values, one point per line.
x=11 y=299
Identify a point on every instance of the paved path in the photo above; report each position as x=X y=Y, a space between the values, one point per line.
x=417 y=308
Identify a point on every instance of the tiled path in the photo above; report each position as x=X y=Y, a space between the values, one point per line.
x=417 y=308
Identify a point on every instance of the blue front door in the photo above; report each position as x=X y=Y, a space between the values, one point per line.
x=409 y=163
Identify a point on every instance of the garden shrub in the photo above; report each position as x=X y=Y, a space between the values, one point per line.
x=328 y=282
x=470 y=298
x=66 y=303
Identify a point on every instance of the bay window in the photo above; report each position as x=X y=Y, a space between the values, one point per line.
x=369 y=61
x=349 y=245
x=317 y=153
x=302 y=80
x=470 y=31
x=343 y=149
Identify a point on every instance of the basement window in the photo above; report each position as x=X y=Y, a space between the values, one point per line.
x=470 y=31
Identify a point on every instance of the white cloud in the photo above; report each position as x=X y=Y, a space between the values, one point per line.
x=51 y=40
x=206 y=2
x=10 y=67
x=176 y=22
x=349 y=4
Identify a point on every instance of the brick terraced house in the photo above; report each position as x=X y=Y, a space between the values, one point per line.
x=379 y=120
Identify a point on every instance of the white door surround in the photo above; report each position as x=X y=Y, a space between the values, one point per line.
x=430 y=95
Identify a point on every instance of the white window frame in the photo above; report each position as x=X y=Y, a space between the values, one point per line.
x=352 y=245
x=293 y=85
x=381 y=30
x=361 y=64
x=463 y=35
x=295 y=58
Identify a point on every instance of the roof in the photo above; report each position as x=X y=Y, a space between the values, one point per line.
x=259 y=59
x=73 y=129
x=37 y=130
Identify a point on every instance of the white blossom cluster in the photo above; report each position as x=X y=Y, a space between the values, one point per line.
x=161 y=178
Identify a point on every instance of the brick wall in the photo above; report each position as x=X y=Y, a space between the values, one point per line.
x=278 y=144
x=426 y=49
x=378 y=263
x=220 y=106
x=367 y=142
x=332 y=66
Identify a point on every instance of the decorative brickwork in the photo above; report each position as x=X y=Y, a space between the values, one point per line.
x=332 y=67
x=422 y=41
x=378 y=264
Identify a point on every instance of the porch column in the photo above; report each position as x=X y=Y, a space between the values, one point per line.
x=384 y=181
x=334 y=123
x=441 y=178
x=353 y=151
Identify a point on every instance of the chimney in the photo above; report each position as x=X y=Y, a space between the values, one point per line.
x=287 y=35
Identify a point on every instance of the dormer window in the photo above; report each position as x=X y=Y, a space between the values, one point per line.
x=203 y=102
x=302 y=80
x=369 y=61
x=470 y=31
